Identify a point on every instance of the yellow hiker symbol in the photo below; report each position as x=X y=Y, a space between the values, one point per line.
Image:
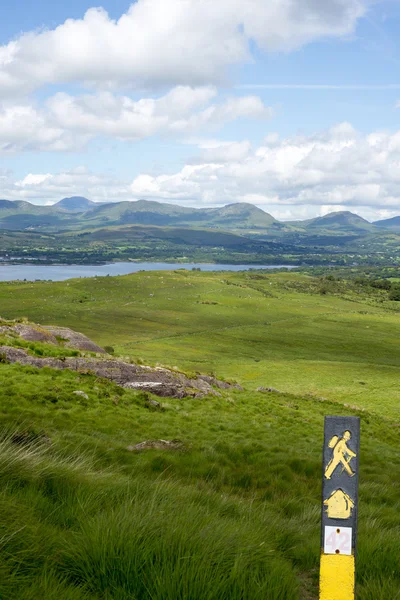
x=342 y=455
x=339 y=505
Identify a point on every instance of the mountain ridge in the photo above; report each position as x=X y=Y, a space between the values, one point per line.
x=393 y=223
x=77 y=212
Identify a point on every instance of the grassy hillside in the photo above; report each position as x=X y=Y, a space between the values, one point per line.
x=342 y=221
x=292 y=332
x=393 y=224
x=236 y=514
x=78 y=213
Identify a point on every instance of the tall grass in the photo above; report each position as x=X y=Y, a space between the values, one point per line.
x=68 y=529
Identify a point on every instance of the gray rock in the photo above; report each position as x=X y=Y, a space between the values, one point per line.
x=81 y=393
x=268 y=389
x=154 y=404
x=74 y=339
x=159 y=381
x=158 y=445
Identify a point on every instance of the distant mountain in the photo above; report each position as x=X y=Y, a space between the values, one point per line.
x=147 y=212
x=340 y=222
x=21 y=215
x=79 y=213
x=393 y=224
x=241 y=216
x=141 y=212
x=75 y=204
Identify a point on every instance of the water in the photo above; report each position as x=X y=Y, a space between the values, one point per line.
x=63 y=272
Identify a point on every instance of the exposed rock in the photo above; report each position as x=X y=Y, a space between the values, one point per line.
x=159 y=381
x=222 y=385
x=74 y=339
x=158 y=445
x=49 y=335
x=154 y=404
x=30 y=333
x=268 y=389
x=81 y=393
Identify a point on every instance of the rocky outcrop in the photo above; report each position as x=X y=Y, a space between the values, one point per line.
x=74 y=339
x=58 y=336
x=159 y=381
x=30 y=333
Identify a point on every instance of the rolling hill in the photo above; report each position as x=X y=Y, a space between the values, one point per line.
x=393 y=224
x=146 y=212
x=79 y=213
x=343 y=221
x=75 y=204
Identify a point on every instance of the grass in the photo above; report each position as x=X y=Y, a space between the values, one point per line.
x=236 y=514
x=275 y=330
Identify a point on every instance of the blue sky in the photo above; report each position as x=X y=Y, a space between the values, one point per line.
x=289 y=105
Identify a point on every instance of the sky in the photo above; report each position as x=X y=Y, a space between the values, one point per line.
x=291 y=105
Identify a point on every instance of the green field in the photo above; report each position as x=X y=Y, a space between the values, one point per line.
x=236 y=514
x=273 y=330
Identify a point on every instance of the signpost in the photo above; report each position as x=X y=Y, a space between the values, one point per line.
x=339 y=508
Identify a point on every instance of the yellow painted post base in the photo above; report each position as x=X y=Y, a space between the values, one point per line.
x=337 y=577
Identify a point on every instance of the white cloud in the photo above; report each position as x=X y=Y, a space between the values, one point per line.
x=158 y=43
x=338 y=167
x=46 y=188
x=222 y=152
x=33 y=179
x=293 y=177
x=68 y=123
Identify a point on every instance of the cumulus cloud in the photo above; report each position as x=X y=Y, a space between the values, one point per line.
x=22 y=127
x=293 y=178
x=157 y=43
x=335 y=168
x=67 y=122
x=46 y=188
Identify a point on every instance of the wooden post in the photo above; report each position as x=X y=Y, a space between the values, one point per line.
x=339 y=508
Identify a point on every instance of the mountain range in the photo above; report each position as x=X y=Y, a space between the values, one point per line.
x=78 y=213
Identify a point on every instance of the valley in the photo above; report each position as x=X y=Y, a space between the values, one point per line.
x=77 y=231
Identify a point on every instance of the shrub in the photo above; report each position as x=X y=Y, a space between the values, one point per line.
x=395 y=294
x=381 y=284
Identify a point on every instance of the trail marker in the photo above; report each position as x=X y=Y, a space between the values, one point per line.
x=339 y=508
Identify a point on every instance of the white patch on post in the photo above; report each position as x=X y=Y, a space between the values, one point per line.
x=337 y=540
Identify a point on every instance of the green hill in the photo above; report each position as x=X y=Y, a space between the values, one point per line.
x=175 y=235
x=20 y=215
x=393 y=224
x=241 y=216
x=232 y=510
x=145 y=212
x=75 y=204
x=343 y=221
x=79 y=213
